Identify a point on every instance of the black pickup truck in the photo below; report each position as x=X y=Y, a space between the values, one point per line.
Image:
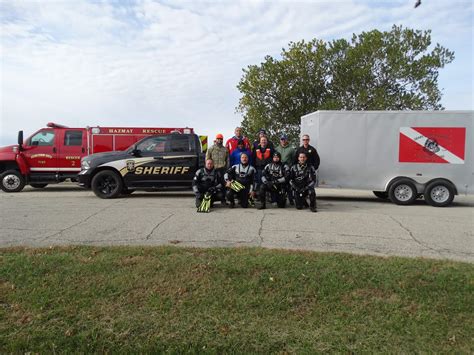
x=156 y=162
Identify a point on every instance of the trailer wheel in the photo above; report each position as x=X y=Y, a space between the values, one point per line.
x=39 y=186
x=439 y=193
x=381 y=194
x=12 y=181
x=107 y=184
x=402 y=192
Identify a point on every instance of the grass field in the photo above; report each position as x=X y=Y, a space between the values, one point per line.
x=231 y=300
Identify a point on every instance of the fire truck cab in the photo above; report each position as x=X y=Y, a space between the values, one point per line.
x=53 y=154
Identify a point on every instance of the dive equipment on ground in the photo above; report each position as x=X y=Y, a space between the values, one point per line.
x=205 y=204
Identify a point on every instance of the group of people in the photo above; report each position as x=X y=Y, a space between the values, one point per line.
x=258 y=171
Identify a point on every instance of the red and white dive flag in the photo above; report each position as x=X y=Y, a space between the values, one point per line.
x=445 y=145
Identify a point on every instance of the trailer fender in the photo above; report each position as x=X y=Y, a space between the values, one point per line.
x=420 y=188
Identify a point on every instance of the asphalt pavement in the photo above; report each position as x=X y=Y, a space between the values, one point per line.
x=347 y=221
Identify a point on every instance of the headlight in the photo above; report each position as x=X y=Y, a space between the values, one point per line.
x=85 y=165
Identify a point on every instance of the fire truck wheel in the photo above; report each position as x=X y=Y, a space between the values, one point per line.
x=12 y=181
x=39 y=186
x=402 y=192
x=381 y=194
x=107 y=184
x=439 y=193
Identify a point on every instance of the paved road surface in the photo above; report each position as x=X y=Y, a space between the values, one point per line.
x=347 y=221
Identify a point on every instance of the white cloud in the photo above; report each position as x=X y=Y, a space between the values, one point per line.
x=175 y=63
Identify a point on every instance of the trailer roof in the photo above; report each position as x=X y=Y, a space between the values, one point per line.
x=389 y=111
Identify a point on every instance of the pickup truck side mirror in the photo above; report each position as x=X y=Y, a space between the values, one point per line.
x=20 y=140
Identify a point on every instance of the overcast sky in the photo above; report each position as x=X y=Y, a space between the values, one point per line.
x=177 y=63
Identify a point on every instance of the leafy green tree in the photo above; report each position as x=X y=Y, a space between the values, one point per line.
x=391 y=70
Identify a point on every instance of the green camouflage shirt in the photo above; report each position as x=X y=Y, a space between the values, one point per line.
x=219 y=155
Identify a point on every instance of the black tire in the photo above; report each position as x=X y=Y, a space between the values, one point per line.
x=107 y=184
x=12 y=181
x=439 y=193
x=381 y=194
x=402 y=192
x=38 y=186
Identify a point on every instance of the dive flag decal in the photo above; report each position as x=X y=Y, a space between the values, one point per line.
x=443 y=145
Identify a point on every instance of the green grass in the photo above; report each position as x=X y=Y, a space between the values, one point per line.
x=86 y=299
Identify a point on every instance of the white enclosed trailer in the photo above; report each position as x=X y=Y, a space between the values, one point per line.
x=401 y=155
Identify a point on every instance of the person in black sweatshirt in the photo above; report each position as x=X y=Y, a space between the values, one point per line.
x=310 y=151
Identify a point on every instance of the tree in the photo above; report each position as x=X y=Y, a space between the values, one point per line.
x=391 y=70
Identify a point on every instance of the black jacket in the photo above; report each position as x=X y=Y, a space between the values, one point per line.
x=311 y=153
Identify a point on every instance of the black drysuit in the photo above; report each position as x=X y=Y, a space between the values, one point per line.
x=274 y=178
x=207 y=181
x=245 y=174
x=303 y=181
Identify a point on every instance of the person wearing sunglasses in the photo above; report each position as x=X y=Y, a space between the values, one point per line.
x=310 y=151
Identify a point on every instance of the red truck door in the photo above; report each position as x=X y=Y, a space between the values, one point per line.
x=41 y=151
x=72 y=147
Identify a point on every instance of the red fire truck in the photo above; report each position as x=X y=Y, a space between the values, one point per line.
x=53 y=154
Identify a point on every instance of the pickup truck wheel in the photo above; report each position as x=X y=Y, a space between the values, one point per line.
x=439 y=193
x=107 y=184
x=39 y=186
x=381 y=194
x=12 y=181
x=402 y=192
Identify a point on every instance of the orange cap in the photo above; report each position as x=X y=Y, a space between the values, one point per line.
x=219 y=136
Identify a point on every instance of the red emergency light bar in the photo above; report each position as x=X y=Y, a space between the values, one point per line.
x=55 y=125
